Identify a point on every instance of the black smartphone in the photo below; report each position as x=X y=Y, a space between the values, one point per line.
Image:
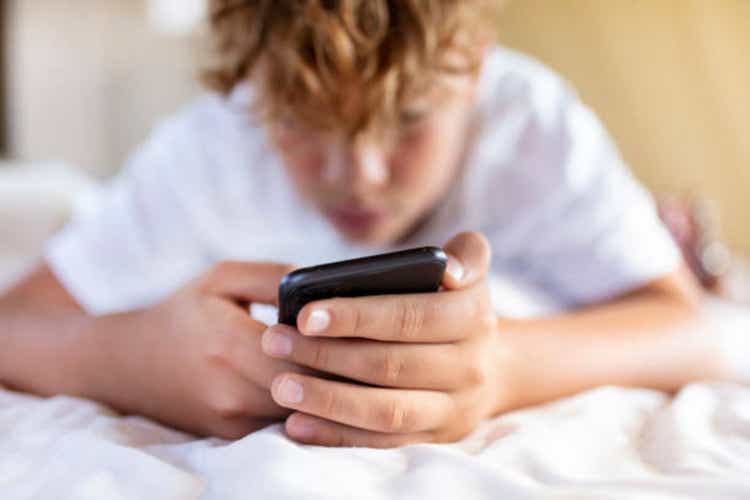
x=419 y=270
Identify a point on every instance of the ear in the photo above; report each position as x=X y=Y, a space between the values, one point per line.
x=484 y=46
x=477 y=76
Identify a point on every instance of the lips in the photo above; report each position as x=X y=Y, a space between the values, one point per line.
x=355 y=218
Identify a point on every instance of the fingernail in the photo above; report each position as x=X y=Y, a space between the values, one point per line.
x=455 y=269
x=276 y=343
x=290 y=391
x=318 y=321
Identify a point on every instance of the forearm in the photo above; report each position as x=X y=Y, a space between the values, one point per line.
x=40 y=351
x=649 y=340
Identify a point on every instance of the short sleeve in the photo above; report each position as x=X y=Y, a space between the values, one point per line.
x=563 y=209
x=132 y=240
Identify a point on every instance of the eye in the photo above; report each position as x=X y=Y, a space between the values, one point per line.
x=289 y=125
x=412 y=118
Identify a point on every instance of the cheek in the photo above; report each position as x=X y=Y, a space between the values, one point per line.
x=424 y=157
x=305 y=166
x=305 y=173
x=303 y=160
x=410 y=157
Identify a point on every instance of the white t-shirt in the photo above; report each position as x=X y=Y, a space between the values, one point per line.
x=542 y=180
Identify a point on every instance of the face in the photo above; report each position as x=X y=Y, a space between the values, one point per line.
x=377 y=189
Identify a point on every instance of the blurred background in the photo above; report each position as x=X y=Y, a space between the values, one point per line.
x=83 y=82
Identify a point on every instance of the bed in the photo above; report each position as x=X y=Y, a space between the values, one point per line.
x=608 y=443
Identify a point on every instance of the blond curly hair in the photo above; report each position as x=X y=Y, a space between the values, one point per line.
x=304 y=57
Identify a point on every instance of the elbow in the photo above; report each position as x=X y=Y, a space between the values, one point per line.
x=680 y=289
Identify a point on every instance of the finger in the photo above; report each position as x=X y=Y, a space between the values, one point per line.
x=236 y=427
x=309 y=429
x=372 y=408
x=400 y=365
x=468 y=260
x=245 y=354
x=428 y=317
x=236 y=397
x=247 y=281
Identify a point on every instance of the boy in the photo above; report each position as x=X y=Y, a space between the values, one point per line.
x=342 y=128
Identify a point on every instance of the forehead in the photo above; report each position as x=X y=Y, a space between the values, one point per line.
x=376 y=104
x=444 y=86
x=442 y=90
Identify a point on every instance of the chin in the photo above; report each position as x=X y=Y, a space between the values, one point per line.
x=373 y=239
x=378 y=236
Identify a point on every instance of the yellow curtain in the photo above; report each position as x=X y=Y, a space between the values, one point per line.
x=671 y=80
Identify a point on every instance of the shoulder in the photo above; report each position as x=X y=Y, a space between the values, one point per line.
x=212 y=119
x=537 y=142
x=531 y=121
x=511 y=78
x=522 y=131
x=212 y=143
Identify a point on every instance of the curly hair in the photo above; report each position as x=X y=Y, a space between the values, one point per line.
x=305 y=56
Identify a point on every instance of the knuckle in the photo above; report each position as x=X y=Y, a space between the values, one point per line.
x=320 y=355
x=480 y=246
x=452 y=435
x=231 y=433
x=485 y=250
x=286 y=268
x=429 y=437
x=356 y=320
x=226 y=341
x=213 y=276
x=219 y=270
x=225 y=405
x=409 y=319
x=393 y=417
x=329 y=403
x=236 y=428
x=220 y=348
x=484 y=313
x=487 y=320
x=477 y=372
x=338 y=440
x=390 y=367
x=234 y=323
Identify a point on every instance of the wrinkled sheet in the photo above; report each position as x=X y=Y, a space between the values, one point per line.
x=608 y=443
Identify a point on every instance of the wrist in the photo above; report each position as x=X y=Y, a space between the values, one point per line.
x=88 y=350
x=41 y=355
x=506 y=388
x=70 y=353
x=103 y=352
x=523 y=378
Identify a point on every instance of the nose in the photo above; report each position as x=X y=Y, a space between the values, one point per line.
x=359 y=164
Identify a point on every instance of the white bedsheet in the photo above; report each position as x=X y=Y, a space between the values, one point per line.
x=609 y=443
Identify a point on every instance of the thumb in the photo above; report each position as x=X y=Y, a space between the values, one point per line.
x=468 y=260
x=247 y=281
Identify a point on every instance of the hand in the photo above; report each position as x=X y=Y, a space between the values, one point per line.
x=195 y=361
x=427 y=364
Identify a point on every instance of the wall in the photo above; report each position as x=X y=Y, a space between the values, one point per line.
x=88 y=78
x=671 y=79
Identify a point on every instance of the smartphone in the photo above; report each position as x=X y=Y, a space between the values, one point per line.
x=419 y=270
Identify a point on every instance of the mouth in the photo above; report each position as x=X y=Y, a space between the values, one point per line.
x=355 y=218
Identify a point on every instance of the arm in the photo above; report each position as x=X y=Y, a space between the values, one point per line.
x=39 y=323
x=434 y=365
x=201 y=338
x=654 y=337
